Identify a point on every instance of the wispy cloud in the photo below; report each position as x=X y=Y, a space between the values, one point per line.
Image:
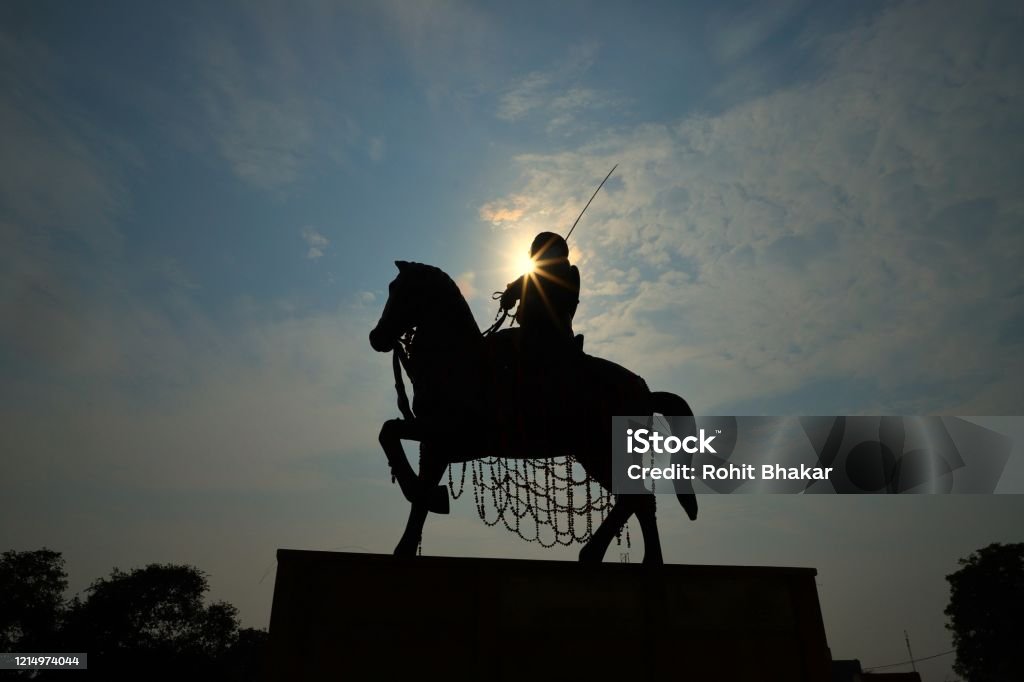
x=467 y=285
x=376 y=149
x=504 y=211
x=269 y=116
x=62 y=194
x=236 y=406
x=448 y=45
x=555 y=94
x=316 y=242
x=60 y=174
x=736 y=35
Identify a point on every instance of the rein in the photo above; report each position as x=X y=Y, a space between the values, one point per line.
x=499 y=317
x=399 y=360
x=500 y=320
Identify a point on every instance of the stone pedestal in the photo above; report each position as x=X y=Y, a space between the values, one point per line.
x=366 y=616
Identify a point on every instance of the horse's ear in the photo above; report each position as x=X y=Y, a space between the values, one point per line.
x=401 y=264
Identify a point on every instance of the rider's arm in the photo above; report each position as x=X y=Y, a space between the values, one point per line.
x=512 y=293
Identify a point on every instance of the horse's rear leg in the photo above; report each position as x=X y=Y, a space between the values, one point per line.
x=593 y=551
x=625 y=506
x=645 y=514
x=431 y=470
x=391 y=435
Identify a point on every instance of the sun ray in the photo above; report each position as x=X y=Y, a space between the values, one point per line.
x=524 y=264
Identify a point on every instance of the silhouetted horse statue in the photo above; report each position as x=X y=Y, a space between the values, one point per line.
x=476 y=397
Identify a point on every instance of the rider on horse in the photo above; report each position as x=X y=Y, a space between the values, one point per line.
x=547 y=297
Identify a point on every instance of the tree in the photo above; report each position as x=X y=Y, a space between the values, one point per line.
x=986 y=611
x=245 y=659
x=150 y=622
x=153 y=616
x=32 y=588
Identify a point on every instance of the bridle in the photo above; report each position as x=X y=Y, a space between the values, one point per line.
x=400 y=361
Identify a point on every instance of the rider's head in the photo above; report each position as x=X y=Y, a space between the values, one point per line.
x=548 y=246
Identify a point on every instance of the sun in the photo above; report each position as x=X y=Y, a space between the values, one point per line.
x=522 y=263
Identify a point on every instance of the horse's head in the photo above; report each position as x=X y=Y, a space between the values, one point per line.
x=401 y=312
x=424 y=296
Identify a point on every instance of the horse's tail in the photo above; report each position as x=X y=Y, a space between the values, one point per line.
x=670 y=404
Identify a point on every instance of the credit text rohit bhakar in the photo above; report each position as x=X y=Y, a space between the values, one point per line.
x=642 y=441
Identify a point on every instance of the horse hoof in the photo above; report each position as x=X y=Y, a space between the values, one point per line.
x=439 y=500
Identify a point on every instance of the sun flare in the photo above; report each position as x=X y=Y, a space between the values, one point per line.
x=522 y=264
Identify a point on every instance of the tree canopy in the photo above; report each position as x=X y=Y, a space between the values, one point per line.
x=157 y=613
x=151 y=620
x=986 y=614
x=32 y=588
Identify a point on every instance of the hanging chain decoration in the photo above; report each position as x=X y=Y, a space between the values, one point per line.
x=540 y=500
x=560 y=505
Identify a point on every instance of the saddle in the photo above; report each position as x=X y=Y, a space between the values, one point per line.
x=533 y=388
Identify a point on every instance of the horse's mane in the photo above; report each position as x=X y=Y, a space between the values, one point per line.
x=432 y=275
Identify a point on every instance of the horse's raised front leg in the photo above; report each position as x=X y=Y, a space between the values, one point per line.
x=391 y=435
x=645 y=514
x=593 y=551
x=432 y=468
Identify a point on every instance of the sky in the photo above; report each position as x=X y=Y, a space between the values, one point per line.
x=817 y=210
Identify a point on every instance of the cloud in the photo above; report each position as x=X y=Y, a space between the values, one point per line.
x=175 y=274
x=316 y=242
x=535 y=89
x=734 y=36
x=62 y=193
x=262 y=124
x=566 y=108
x=467 y=285
x=859 y=228
x=59 y=174
x=261 y=97
x=377 y=149
x=498 y=212
x=179 y=401
x=555 y=94
x=449 y=46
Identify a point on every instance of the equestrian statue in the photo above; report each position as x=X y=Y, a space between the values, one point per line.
x=522 y=393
